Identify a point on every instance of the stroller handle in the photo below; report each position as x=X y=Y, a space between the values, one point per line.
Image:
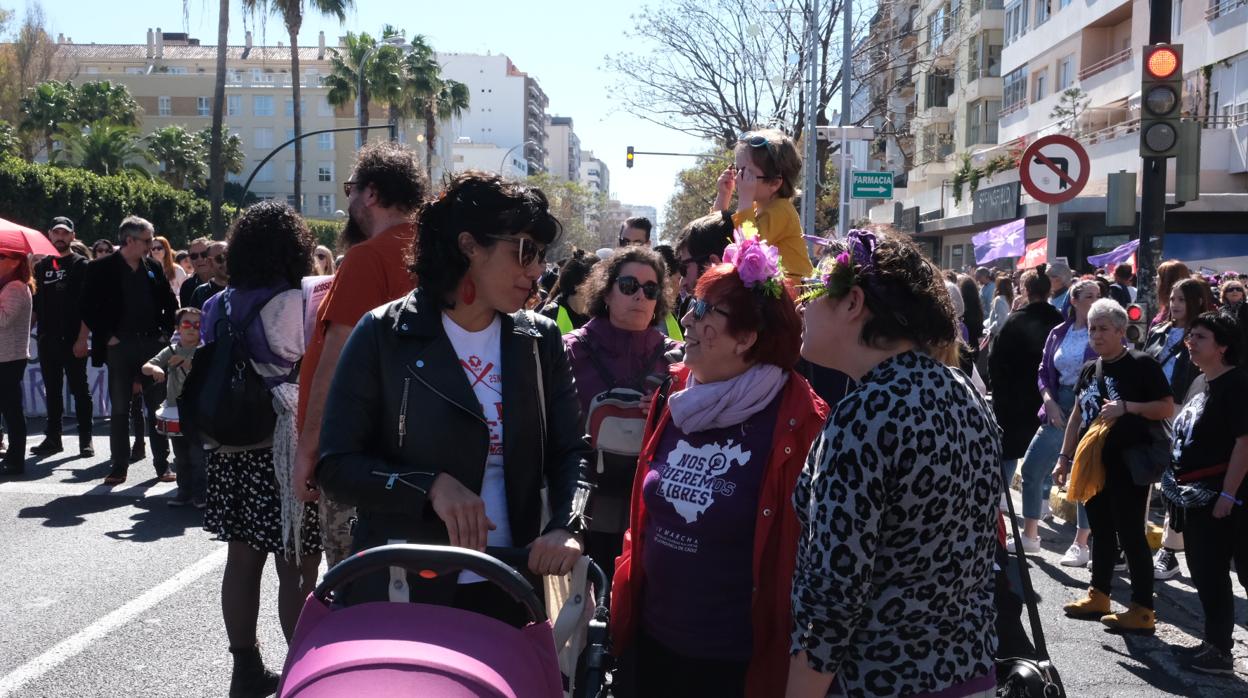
x=431 y=561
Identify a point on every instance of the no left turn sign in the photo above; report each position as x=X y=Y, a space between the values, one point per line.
x=1054 y=169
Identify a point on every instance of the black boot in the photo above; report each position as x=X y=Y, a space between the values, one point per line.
x=251 y=679
x=12 y=466
x=51 y=445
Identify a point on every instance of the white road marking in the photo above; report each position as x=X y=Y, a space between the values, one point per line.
x=78 y=642
x=137 y=490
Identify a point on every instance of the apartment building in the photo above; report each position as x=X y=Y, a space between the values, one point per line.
x=1050 y=47
x=508 y=105
x=564 y=149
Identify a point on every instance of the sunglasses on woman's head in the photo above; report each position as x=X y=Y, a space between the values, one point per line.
x=629 y=285
x=529 y=251
x=701 y=308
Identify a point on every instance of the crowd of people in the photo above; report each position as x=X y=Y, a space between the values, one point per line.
x=791 y=467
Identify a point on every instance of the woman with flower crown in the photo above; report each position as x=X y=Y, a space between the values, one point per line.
x=701 y=590
x=893 y=590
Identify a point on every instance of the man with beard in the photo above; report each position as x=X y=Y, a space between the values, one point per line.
x=197 y=251
x=62 y=338
x=218 y=276
x=386 y=188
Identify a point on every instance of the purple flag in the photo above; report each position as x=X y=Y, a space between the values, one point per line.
x=1118 y=255
x=1002 y=241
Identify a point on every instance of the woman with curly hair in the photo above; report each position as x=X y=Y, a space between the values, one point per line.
x=701 y=594
x=621 y=355
x=440 y=393
x=893 y=591
x=251 y=502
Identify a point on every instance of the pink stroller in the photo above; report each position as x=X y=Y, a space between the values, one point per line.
x=379 y=649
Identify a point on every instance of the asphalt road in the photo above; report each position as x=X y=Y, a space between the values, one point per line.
x=110 y=592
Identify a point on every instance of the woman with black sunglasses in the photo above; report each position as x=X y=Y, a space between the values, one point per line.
x=452 y=408
x=701 y=593
x=619 y=357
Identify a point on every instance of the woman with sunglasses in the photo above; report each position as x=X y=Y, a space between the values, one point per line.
x=1232 y=293
x=620 y=355
x=322 y=261
x=701 y=594
x=441 y=392
x=163 y=253
x=16 y=284
x=897 y=503
x=764 y=175
x=101 y=248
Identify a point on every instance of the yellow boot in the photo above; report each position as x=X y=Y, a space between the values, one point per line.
x=1136 y=619
x=1094 y=605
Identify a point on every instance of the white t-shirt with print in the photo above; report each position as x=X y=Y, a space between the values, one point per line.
x=480 y=356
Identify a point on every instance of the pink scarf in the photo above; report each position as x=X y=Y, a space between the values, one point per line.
x=702 y=406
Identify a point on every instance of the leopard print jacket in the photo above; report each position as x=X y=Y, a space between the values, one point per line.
x=893 y=591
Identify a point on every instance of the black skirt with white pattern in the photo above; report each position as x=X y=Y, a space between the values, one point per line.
x=244 y=503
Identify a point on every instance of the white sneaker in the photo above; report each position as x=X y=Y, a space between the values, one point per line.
x=1046 y=511
x=1076 y=556
x=1030 y=545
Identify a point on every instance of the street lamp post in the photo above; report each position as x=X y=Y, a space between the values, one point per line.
x=512 y=149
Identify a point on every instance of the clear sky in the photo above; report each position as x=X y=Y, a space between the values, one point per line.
x=563 y=44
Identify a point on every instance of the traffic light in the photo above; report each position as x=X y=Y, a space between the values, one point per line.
x=630 y=156
x=1137 y=324
x=1161 y=100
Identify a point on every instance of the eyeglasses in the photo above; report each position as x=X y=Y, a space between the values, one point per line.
x=197 y=255
x=529 y=252
x=741 y=172
x=701 y=308
x=157 y=248
x=219 y=259
x=629 y=286
x=1233 y=289
x=190 y=324
x=347 y=186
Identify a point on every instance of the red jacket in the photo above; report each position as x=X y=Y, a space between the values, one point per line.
x=776 y=534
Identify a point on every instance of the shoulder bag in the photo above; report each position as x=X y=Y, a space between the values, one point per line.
x=1146 y=461
x=1027 y=677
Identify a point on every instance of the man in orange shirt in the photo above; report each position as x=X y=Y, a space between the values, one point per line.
x=386 y=188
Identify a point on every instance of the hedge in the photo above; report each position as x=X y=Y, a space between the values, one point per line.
x=33 y=194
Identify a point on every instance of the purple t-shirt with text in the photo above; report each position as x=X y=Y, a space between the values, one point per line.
x=701 y=496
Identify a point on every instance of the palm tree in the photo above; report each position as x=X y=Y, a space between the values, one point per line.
x=48 y=106
x=180 y=154
x=216 y=168
x=429 y=96
x=344 y=73
x=232 y=158
x=104 y=101
x=292 y=12
x=106 y=149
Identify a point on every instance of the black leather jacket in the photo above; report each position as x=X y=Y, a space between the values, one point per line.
x=400 y=411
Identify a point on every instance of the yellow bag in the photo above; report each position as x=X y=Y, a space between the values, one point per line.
x=1087 y=474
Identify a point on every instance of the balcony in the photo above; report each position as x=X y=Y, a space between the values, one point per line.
x=981 y=134
x=1104 y=64
x=1221 y=8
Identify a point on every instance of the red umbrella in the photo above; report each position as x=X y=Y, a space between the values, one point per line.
x=19 y=238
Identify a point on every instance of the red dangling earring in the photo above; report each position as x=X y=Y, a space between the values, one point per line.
x=469 y=292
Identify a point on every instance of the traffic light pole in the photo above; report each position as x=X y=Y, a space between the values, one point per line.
x=1152 y=180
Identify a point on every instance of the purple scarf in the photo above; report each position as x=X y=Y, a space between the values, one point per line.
x=702 y=406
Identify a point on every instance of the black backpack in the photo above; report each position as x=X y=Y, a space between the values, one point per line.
x=224 y=400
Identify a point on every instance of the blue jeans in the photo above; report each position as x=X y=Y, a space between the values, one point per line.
x=1041 y=456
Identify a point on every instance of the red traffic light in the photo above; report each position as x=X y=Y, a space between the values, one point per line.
x=1135 y=313
x=1161 y=62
